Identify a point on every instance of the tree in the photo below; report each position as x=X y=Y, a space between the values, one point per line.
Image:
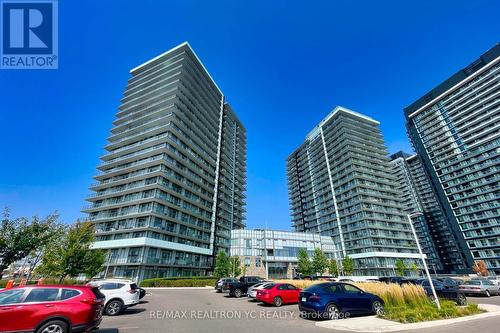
x=235 y=264
x=400 y=267
x=333 y=268
x=348 y=265
x=319 y=262
x=304 y=266
x=72 y=254
x=414 y=268
x=480 y=268
x=222 y=265
x=20 y=237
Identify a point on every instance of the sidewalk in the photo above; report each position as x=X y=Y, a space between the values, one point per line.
x=372 y=324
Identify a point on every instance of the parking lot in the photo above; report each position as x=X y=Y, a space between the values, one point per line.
x=203 y=310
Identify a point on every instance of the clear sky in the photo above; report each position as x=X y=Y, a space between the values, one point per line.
x=283 y=65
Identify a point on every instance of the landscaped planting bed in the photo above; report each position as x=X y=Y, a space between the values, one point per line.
x=407 y=303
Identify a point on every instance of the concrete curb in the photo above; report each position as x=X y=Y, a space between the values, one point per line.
x=372 y=324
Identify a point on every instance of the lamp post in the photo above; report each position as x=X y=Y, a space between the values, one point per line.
x=110 y=256
x=422 y=257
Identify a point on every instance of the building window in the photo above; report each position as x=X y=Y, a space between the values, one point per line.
x=247 y=262
x=258 y=262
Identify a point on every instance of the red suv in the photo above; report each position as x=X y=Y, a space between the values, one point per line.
x=50 y=309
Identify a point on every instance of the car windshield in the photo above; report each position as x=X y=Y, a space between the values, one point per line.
x=473 y=282
x=11 y=296
x=269 y=286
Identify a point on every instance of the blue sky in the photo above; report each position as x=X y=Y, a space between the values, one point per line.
x=283 y=65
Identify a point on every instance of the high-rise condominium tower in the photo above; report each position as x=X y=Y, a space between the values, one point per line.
x=455 y=129
x=431 y=224
x=171 y=185
x=341 y=185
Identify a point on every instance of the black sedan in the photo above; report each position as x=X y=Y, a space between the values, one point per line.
x=451 y=293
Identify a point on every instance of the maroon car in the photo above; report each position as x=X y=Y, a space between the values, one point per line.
x=50 y=309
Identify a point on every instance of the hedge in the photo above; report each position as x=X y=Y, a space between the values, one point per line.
x=47 y=281
x=195 y=281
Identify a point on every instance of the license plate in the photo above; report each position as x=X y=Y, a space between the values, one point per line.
x=303 y=299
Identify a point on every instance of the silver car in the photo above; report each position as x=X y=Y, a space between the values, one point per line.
x=479 y=287
x=252 y=291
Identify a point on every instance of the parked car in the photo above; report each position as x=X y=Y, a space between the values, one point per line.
x=493 y=279
x=142 y=293
x=452 y=293
x=221 y=284
x=120 y=294
x=408 y=281
x=44 y=309
x=479 y=287
x=391 y=279
x=332 y=299
x=240 y=288
x=449 y=282
x=252 y=290
x=278 y=294
x=346 y=280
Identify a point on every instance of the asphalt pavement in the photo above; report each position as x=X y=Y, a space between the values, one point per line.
x=203 y=310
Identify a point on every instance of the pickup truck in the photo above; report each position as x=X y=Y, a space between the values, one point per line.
x=239 y=288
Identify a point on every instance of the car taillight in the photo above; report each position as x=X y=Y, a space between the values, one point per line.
x=314 y=298
x=92 y=301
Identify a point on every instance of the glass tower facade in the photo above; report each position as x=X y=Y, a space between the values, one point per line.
x=418 y=197
x=171 y=184
x=455 y=129
x=341 y=185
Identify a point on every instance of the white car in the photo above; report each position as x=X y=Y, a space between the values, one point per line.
x=252 y=291
x=120 y=294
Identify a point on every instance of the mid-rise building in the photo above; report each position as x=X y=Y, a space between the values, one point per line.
x=273 y=254
x=455 y=129
x=341 y=185
x=171 y=184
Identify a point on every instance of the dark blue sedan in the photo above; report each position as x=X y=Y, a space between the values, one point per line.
x=334 y=300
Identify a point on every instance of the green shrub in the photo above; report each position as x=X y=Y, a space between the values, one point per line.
x=196 y=281
x=429 y=311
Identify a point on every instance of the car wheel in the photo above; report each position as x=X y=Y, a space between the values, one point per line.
x=113 y=308
x=54 y=326
x=238 y=293
x=277 y=301
x=333 y=312
x=461 y=299
x=378 y=308
x=487 y=293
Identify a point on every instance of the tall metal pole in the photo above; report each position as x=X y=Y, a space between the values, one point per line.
x=107 y=266
x=423 y=259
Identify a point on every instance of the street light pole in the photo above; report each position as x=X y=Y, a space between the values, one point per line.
x=423 y=259
x=110 y=255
